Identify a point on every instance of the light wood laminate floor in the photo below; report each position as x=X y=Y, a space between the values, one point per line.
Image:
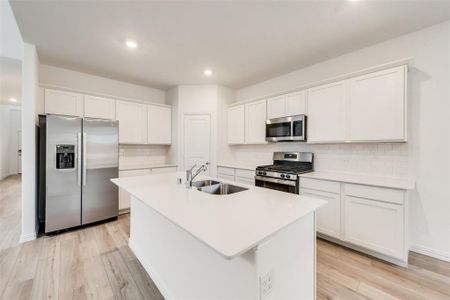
x=96 y=263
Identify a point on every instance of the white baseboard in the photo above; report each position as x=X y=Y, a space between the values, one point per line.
x=153 y=275
x=26 y=237
x=439 y=254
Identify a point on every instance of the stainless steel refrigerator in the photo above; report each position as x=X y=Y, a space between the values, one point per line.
x=77 y=159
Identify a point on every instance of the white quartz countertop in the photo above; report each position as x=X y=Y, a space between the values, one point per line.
x=388 y=182
x=229 y=224
x=144 y=166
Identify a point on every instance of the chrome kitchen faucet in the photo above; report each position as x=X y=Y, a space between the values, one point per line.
x=190 y=176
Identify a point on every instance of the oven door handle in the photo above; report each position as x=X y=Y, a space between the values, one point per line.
x=275 y=180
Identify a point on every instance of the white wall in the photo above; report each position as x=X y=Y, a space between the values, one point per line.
x=30 y=86
x=10 y=124
x=426 y=157
x=199 y=99
x=91 y=84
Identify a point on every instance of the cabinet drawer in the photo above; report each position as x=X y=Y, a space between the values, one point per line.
x=248 y=174
x=225 y=177
x=226 y=171
x=244 y=180
x=320 y=185
x=375 y=193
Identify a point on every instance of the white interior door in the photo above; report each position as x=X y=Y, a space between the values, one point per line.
x=19 y=152
x=197 y=140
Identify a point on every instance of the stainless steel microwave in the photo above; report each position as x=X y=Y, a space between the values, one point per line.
x=287 y=129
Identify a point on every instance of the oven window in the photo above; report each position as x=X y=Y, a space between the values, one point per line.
x=298 y=128
x=278 y=129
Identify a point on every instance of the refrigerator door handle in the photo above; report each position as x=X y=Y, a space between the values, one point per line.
x=79 y=144
x=84 y=158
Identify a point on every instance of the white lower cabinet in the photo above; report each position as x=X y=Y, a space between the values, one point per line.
x=124 y=197
x=328 y=217
x=375 y=225
x=225 y=177
x=243 y=176
x=368 y=217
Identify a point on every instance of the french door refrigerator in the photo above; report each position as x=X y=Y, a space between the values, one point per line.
x=77 y=159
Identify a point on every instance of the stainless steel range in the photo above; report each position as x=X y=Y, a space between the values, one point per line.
x=283 y=174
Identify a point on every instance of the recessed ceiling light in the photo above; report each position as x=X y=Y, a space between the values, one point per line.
x=208 y=72
x=13 y=99
x=131 y=44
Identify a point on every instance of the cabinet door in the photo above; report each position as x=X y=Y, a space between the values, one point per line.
x=377 y=106
x=99 y=107
x=63 y=103
x=132 y=119
x=328 y=217
x=255 y=122
x=236 y=125
x=296 y=103
x=276 y=107
x=124 y=197
x=164 y=170
x=326 y=113
x=159 y=125
x=375 y=225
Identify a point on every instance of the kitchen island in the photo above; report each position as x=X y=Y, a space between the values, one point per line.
x=253 y=244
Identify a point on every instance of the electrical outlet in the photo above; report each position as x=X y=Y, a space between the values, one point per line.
x=266 y=284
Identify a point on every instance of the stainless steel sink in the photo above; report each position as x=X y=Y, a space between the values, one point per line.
x=222 y=189
x=202 y=183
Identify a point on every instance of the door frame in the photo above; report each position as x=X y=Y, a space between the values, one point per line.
x=212 y=159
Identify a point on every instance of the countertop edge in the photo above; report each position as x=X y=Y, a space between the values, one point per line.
x=366 y=180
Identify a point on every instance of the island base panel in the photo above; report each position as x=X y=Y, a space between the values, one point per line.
x=183 y=267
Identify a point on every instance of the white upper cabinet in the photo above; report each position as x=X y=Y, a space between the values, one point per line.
x=326 y=113
x=276 y=107
x=99 y=107
x=377 y=106
x=159 y=119
x=236 y=124
x=63 y=103
x=132 y=119
x=286 y=105
x=296 y=103
x=255 y=122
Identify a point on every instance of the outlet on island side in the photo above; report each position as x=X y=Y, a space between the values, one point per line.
x=266 y=282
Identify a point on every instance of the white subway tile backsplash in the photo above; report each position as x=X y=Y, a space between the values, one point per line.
x=142 y=154
x=384 y=159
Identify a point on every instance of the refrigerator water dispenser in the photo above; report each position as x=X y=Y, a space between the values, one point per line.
x=65 y=156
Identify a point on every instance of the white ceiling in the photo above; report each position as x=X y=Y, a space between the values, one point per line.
x=243 y=42
x=10 y=79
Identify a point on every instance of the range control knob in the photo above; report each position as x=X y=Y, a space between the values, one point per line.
x=288 y=176
x=282 y=175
